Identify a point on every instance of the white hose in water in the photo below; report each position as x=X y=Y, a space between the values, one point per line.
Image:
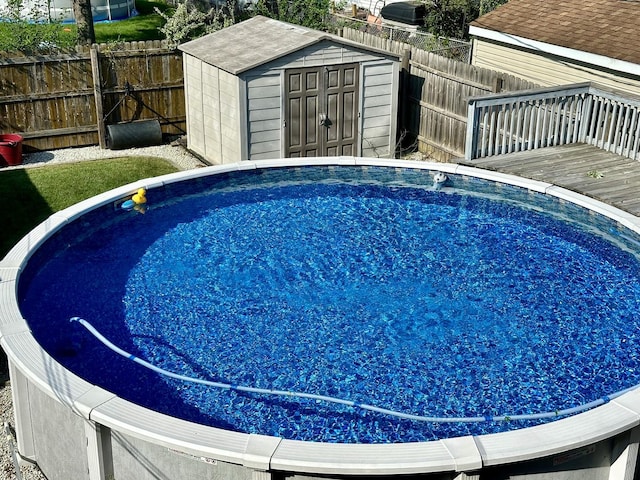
x=364 y=406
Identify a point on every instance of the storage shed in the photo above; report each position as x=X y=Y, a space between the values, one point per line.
x=265 y=89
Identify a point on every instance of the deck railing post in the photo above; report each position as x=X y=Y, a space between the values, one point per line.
x=636 y=144
x=623 y=132
x=586 y=117
x=472 y=132
x=632 y=134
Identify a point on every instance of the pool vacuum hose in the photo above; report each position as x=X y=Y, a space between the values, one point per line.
x=364 y=406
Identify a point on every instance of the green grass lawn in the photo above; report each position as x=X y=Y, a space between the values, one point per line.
x=140 y=28
x=28 y=196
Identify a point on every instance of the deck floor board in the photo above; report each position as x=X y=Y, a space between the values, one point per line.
x=582 y=168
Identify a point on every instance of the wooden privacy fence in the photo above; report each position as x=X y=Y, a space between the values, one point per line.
x=580 y=113
x=435 y=93
x=66 y=100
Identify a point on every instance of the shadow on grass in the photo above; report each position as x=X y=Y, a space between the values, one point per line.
x=21 y=208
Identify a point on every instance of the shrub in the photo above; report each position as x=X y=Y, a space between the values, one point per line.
x=308 y=13
x=189 y=21
x=33 y=31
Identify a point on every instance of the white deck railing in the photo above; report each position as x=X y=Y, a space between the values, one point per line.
x=531 y=119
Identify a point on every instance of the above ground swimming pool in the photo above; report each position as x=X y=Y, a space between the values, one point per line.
x=286 y=302
x=326 y=318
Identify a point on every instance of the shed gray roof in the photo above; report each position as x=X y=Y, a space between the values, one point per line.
x=257 y=41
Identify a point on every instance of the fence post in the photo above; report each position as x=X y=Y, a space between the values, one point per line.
x=406 y=58
x=405 y=74
x=97 y=94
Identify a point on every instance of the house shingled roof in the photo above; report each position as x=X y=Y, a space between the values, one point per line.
x=603 y=27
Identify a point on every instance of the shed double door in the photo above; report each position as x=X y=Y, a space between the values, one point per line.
x=321 y=111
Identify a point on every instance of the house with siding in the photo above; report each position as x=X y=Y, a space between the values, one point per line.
x=560 y=42
x=265 y=89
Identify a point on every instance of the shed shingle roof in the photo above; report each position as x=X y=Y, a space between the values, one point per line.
x=603 y=27
x=257 y=41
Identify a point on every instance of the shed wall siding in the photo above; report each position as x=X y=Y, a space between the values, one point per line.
x=378 y=110
x=193 y=103
x=213 y=118
x=545 y=70
x=323 y=53
x=230 y=131
x=264 y=116
x=211 y=114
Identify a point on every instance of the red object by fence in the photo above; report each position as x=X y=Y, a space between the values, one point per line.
x=10 y=149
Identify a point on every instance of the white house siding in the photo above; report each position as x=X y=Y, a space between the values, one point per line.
x=377 y=110
x=264 y=116
x=545 y=69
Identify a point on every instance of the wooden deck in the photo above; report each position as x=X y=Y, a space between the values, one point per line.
x=582 y=168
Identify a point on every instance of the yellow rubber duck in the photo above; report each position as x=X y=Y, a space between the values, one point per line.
x=140 y=197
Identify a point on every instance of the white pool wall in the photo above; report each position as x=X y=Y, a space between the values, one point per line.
x=73 y=429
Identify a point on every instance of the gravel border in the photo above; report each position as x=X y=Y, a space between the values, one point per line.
x=174 y=152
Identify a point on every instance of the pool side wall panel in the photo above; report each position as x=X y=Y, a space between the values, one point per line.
x=586 y=463
x=62 y=10
x=58 y=434
x=141 y=460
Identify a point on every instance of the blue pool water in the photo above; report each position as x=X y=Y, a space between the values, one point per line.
x=360 y=283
